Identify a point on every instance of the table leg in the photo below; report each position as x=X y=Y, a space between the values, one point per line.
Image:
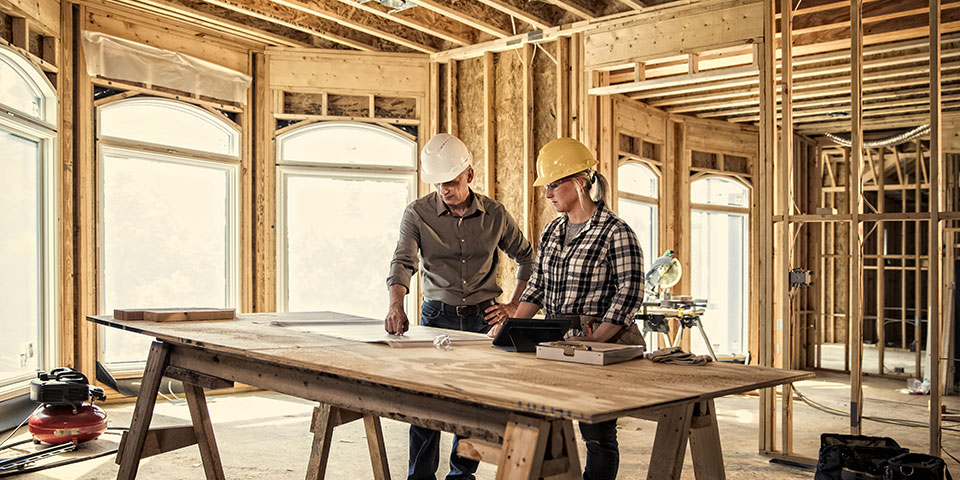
x=323 y=423
x=378 y=451
x=705 y=443
x=129 y=453
x=523 y=449
x=670 y=443
x=203 y=429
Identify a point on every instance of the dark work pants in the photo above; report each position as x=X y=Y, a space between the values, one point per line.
x=425 y=443
x=603 y=452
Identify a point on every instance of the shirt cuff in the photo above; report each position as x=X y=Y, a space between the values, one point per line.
x=524 y=271
x=399 y=275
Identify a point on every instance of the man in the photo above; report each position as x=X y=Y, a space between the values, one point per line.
x=457 y=233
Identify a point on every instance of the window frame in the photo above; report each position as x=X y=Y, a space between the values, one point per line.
x=748 y=229
x=175 y=155
x=287 y=169
x=643 y=199
x=42 y=131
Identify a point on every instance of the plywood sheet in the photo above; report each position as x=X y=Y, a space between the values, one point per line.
x=373 y=332
x=480 y=374
x=393 y=74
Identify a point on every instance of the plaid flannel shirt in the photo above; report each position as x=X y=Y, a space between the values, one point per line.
x=599 y=274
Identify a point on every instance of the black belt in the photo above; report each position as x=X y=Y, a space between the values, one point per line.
x=461 y=310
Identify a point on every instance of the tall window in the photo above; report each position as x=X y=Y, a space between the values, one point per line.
x=719 y=221
x=342 y=189
x=28 y=199
x=637 y=192
x=168 y=221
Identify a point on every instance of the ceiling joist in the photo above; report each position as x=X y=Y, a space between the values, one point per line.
x=419 y=19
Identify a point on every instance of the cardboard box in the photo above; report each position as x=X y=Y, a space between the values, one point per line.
x=590 y=353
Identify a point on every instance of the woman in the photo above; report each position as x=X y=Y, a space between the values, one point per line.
x=589 y=268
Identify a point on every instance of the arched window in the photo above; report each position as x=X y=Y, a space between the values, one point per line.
x=342 y=188
x=28 y=200
x=637 y=192
x=169 y=213
x=719 y=221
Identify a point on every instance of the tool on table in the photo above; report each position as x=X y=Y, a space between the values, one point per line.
x=659 y=305
x=592 y=353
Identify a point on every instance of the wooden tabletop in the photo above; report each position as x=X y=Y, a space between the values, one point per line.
x=475 y=373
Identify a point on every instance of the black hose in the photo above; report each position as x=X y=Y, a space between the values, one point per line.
x=57 y=464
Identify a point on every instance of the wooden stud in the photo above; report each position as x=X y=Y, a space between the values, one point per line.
x=693 y=63
x=563 y=87
x=66 y=350
x=856 y=208
x=489 y=125
x=264 y=188
x=935 y=234
x=639 y=72
x=452 y=100
x=785 y=233
x=203 y=429
x=768 y=142
x=20 y=32
x=529 y=155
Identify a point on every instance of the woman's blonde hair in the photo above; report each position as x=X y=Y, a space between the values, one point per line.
x=595 y=184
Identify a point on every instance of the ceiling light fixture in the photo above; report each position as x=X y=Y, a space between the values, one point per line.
x=394 y=5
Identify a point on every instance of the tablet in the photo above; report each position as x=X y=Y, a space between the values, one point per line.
x=523 y=334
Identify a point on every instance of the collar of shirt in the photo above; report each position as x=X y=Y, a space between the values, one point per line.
x=475 y=205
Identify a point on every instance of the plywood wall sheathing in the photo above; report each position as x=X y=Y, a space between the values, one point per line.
x=508 y=72
x=468 y=110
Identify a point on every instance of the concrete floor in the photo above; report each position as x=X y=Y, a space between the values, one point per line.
x=265 y=436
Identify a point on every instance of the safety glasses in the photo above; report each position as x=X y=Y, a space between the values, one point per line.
x=553 y=186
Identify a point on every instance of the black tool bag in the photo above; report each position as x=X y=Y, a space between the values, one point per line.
x=855 y=457
x=916 y=466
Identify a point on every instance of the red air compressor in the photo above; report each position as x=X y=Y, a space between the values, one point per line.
x=66 y=416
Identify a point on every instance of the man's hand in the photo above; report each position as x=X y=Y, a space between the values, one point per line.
x=396 y=322
x=499 y=312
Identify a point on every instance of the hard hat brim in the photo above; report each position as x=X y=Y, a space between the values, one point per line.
x=444 y=177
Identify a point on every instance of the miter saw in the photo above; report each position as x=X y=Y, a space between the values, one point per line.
x=659 y=305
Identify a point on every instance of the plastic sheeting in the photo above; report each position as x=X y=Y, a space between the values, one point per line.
x=116 y=58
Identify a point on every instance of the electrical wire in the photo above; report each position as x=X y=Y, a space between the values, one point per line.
x=14 y=432
x=890 y=421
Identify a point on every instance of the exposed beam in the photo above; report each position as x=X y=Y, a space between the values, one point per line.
x=290 y=19
x=573 y=8
x=430 y=24
x=634 y=4
x=518 y=13
x=171 y=9
x=463 y=18
x=361 y=25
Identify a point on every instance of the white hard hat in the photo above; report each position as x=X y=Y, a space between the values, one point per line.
x=443 y=158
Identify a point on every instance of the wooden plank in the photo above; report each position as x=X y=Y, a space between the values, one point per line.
x=463 y=17
x=529 y=153
x=322 y=428
x=128 y=455
x=520 y=14
x=45 y=15
x=935 y=234
x=785 y=193
x=388 y=75
x=198 y=379
x=162 y=439
x=452 y=100
x=67 y=326
x=264 y=189
x=359 y=24
x=203 y=429
x=856 y=207
x=705 y=443
x=378 y=451
x=718 y=25
x=20 y=28
x=430 y=23
x=768 y=142
x=489 y=126
x=524 y=445
x=563 y=87
x=670 y=442
x=479 y=450
x=573 y=8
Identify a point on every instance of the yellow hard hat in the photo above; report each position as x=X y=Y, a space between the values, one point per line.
x=561 y=158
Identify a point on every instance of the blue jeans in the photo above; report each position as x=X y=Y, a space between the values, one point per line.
x=603 y=452
x=425 y=443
